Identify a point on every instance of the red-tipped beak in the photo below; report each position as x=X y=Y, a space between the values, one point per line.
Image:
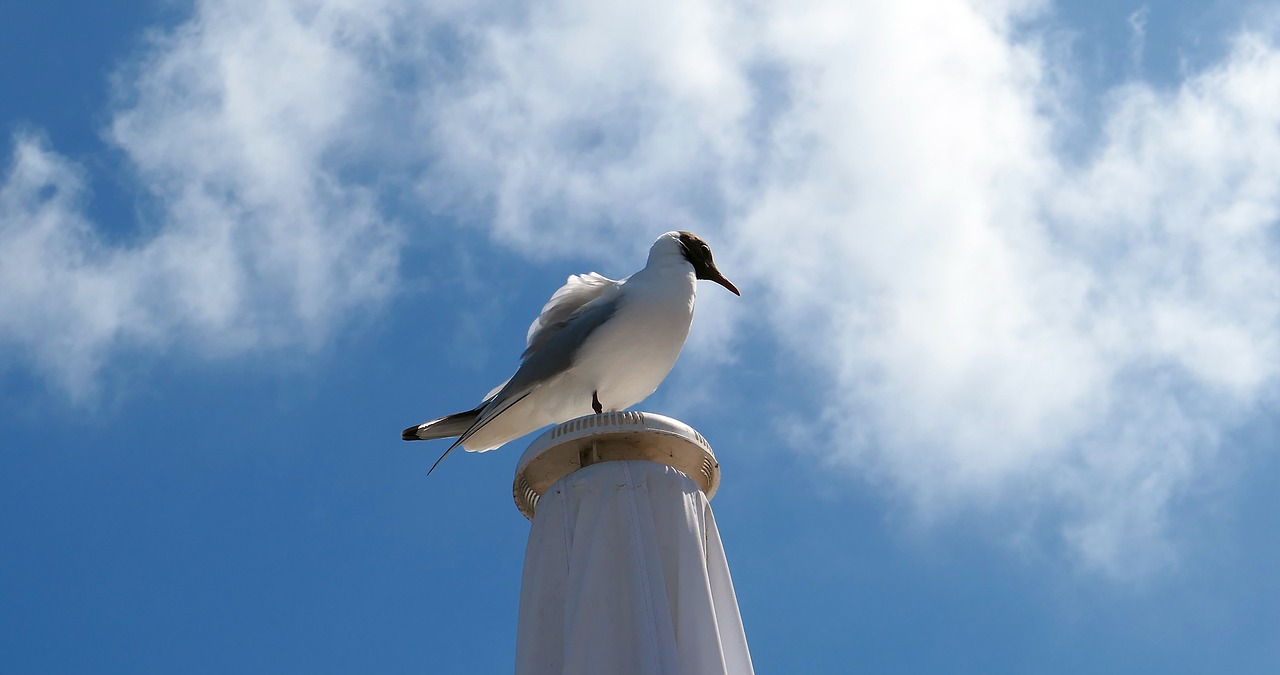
x=719 y=279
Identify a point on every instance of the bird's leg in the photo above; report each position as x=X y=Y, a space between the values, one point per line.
x=595 y=402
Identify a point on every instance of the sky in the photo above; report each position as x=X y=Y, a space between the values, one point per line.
x=999 y=395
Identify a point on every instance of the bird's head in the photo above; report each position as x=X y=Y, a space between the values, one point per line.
x=698 y=254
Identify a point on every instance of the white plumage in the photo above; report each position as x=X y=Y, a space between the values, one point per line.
x=598 y=344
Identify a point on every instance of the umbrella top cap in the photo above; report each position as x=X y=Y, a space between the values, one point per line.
x=612 y=436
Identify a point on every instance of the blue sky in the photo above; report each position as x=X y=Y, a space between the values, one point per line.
x=1000 y=394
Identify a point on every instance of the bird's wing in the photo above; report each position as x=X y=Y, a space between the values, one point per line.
x=489 y=413
x=553 y=355
x=493 y=393
x=559 y=343
x=578 y=291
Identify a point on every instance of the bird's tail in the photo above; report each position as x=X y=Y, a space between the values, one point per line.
x=448 y=426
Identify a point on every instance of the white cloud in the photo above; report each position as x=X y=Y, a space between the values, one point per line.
x=65 y=296
x=1008 y=325
x=1138 y=35
x=240 y=125
x=616 y=116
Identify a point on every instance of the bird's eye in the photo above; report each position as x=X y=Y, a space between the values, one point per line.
x=706 y=250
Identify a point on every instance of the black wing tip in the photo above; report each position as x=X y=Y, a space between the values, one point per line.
x=446 y=454
x=411 y=434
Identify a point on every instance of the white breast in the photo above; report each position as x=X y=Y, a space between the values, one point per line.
x=636 y=350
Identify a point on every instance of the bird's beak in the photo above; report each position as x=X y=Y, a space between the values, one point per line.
x=717 y=277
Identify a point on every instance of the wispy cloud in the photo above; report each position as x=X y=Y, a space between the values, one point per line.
x=1000 y=322
x=242 y=125
x=1138 y=36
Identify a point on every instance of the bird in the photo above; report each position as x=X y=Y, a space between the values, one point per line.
x=599 y=344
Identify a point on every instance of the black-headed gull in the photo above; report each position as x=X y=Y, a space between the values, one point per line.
x=598 y=345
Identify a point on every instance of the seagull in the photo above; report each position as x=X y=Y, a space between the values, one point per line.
x=599 y=344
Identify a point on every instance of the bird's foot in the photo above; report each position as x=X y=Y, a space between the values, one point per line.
x=595 y=402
